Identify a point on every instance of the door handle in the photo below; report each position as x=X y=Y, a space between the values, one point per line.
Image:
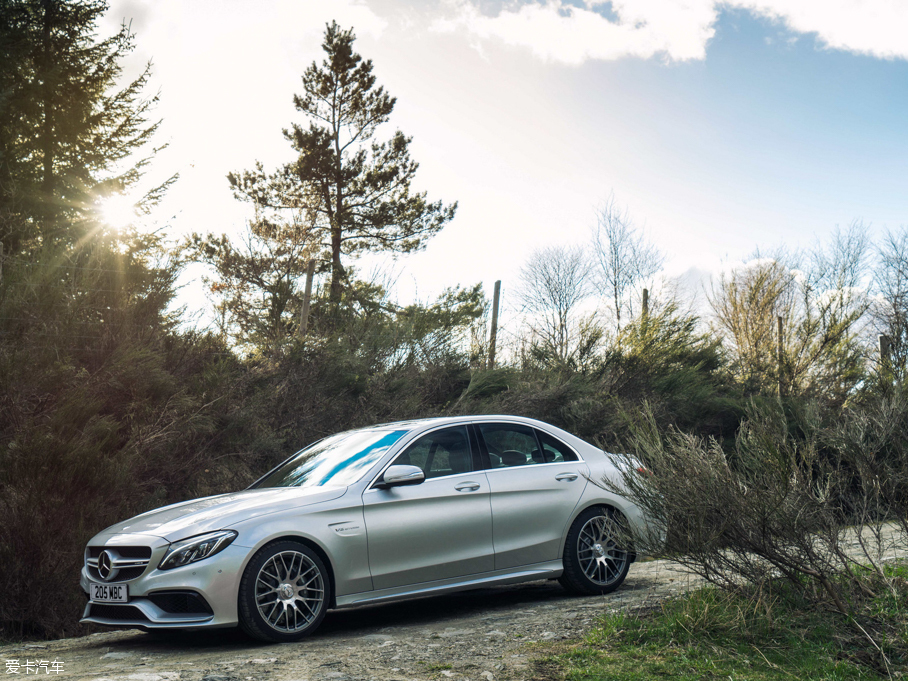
x=467 y=487
x=566 y=477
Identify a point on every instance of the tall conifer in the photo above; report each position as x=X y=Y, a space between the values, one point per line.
x=68 y=134
x=351 y=190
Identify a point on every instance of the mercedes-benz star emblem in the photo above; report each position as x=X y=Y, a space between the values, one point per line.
x=105 y=565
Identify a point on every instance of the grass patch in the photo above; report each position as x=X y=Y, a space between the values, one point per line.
x=712 y=634
x=438 y=667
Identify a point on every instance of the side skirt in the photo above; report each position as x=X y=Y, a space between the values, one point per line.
x=526 y=573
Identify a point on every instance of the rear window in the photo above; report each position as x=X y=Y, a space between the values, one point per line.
x=554 y=450
x=510 y=444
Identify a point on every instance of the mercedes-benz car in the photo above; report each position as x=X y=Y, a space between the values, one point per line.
x=378 y=514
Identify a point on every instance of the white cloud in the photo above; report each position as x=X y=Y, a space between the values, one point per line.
x=730 y=268
x=799 y=276
x=757 y=264
x=841 y=296
x=558 y=32
x=676 y=30
x=873 y=27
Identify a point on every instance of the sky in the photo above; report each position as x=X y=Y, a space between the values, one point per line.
x=720 y=126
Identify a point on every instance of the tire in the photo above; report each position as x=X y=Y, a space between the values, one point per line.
x=593 y=562
x=284 y=593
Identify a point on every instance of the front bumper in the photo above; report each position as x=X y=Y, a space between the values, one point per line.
x=215 y=580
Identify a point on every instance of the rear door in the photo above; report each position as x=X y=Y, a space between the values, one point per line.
x=438 y=529
x=535 y=481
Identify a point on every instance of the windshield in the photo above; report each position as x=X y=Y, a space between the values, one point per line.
x=336 y=461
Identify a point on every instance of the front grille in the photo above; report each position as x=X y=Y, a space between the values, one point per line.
x=181 y=602
x=128 y=561
x=116 y=612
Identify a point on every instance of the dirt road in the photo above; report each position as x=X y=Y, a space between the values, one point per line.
x=484 y=635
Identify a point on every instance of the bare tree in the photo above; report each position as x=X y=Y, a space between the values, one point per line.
x=624 y=257
x=746 y=303
x=826 y=353
x=553 y=284
x=821 y=299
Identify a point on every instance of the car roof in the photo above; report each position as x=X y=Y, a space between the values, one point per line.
x=413 y=424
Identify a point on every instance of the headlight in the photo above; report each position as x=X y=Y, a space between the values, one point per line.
x=196 y=548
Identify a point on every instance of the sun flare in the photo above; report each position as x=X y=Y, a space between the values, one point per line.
x=117 y=211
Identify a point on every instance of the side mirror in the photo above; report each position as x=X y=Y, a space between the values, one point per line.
x=396 y=476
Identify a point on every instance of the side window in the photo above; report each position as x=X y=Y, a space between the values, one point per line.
x=439 y=453
x=510 y=445
x=554 y=450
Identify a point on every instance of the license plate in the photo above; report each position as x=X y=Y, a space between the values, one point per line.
x=109 y=593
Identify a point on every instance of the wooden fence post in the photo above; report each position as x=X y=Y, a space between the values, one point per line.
x=493 y=335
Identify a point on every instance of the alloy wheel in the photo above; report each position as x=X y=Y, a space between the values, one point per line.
x=289 y=591
x=598 y=554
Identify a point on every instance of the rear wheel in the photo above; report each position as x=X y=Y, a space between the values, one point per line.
x=594 y=560
x=284 y=593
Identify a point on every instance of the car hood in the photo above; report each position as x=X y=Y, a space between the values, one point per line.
x=189 y=518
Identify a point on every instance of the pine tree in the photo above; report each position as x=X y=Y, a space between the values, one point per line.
x=352 y=191
x=65 y=128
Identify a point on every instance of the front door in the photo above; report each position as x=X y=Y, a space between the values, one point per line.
x=438 y=529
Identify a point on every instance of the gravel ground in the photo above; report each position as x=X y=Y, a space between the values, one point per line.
x=484 y=635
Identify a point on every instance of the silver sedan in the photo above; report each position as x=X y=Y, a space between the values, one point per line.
x=380 y=514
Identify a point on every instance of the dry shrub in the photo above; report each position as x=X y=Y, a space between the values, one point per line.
x=795 y=498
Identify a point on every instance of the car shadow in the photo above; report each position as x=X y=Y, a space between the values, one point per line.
x=486 y=603
x=438 y=609
x=489 y=603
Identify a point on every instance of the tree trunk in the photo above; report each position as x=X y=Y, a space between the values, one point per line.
x=617 y=309
x=47 y=143
x=337 y=270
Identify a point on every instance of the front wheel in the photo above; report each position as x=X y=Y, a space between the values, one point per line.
x=594 y=562
x=284 y=593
